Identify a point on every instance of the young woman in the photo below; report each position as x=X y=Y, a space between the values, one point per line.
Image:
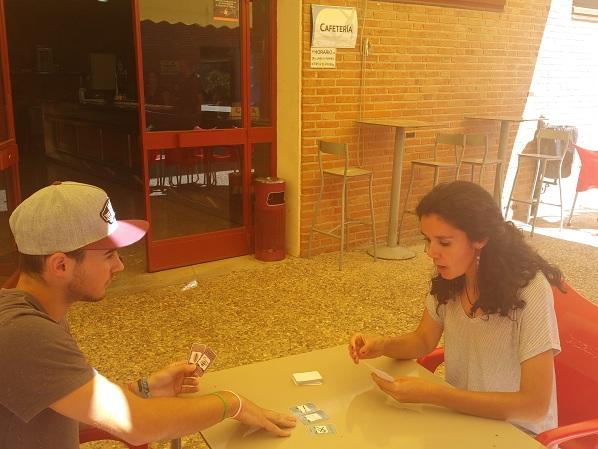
x=492 y=300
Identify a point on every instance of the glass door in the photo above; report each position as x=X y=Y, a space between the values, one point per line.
x=207 y=95
x=9 y=156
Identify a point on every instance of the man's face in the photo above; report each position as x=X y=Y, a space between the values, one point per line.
x=93 y=275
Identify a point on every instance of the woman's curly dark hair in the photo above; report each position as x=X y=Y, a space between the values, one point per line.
x=507 y=262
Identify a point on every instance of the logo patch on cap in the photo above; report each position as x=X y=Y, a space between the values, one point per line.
x=107 y=213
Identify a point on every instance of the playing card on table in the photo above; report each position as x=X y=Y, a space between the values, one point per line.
x=314 y=417
x=322 y=429
x=303 y=409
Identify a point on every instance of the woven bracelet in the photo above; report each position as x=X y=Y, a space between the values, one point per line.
x=224 y=403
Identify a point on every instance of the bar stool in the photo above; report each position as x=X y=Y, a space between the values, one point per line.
x=541 y=159
x=478 y=140
x=457 y=141
x=346 y=173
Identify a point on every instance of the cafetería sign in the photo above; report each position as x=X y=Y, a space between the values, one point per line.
x=333 y=27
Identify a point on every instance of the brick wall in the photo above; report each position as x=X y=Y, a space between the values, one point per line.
x=426 y=63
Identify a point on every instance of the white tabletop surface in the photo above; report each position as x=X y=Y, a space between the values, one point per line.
x=364 y=417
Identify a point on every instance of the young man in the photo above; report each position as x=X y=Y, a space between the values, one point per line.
x=67 y=236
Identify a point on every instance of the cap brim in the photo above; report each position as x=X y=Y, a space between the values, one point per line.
x=127 y=233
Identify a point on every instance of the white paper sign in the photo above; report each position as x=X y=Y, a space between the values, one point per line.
x=323 y=58
x=333 y=26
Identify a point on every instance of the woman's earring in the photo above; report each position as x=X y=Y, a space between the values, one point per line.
x=477 y=259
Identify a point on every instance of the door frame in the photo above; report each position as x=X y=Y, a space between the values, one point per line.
x=198 y=248
x=9 y=151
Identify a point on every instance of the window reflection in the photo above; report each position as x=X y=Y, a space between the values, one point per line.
x=195 y=190
x=260 y=160
x=191 y=66
x=260 y=64
x=3 y=113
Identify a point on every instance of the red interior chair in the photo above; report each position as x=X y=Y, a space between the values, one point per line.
x=202 y=156
x=156 y=160
x=576 y=370
x=86 y=433
x=180 y=162
x=223 y=157
x=588 y=174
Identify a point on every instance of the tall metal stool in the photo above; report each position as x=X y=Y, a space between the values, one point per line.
x=541 y=158
x=457 y=141
x=478 y=140
x=346 y=173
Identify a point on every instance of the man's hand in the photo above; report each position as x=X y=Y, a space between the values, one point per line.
x=365 y=347
x=173 y=380
x=408 y=389
x=274 y=422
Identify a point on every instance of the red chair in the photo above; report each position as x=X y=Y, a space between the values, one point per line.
x=223 y=158
x=180 y=162
x=576 y=370
x=156 y=160
x=588 y=174
x=202 y=157
x=86 y=433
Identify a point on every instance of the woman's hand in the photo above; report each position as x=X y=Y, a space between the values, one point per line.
x=408 y=389
x=366 y=347
x=274 y=422
x=173 y=380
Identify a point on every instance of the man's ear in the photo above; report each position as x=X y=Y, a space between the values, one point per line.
x=58 y=265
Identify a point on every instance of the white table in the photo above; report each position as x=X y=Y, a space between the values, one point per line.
x=392 y=250
x=364 y=417
x=505 y=124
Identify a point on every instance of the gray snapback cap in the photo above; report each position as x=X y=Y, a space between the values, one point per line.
x=66 y=216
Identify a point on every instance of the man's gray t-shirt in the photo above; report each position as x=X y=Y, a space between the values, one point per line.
x=39 y=364
x=485 y=353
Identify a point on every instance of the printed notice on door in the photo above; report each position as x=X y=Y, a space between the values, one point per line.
x=226 y=10
x=323 y=58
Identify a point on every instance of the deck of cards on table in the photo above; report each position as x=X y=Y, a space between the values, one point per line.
x=308 y=378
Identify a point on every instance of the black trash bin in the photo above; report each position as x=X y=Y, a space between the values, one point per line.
x=269 y=219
